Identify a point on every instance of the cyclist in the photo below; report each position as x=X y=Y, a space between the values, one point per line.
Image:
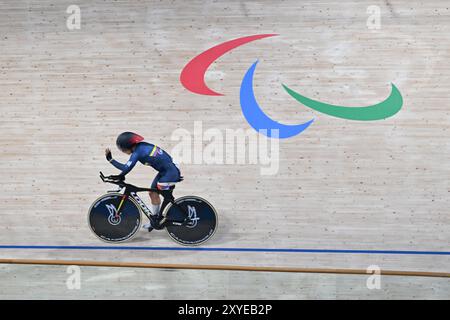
x=150 y=155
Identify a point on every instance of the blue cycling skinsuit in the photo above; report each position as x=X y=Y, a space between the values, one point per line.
x=151 y=155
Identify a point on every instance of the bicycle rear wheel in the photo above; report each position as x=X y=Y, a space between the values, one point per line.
x=202 y=222
x=106 y=226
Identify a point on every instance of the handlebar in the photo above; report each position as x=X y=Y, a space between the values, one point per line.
x=109 y=179
x=121 y=183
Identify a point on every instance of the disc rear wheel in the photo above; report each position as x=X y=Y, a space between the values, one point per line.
x=201 y=224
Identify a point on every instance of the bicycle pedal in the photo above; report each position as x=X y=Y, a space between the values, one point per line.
x=158 y=227
x=156 y=223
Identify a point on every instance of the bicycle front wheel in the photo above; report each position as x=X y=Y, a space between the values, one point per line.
x=107 y=226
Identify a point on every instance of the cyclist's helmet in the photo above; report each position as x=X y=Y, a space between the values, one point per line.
x=126 y=140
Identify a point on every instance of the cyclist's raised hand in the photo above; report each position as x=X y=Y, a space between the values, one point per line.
x=108 y=154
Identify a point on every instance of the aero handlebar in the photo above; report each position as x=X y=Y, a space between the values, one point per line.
x=121 y=183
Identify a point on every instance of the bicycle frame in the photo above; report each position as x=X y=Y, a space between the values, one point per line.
x=141 y=203
x=131 y=190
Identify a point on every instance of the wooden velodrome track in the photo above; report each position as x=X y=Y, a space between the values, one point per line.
x=348 y=194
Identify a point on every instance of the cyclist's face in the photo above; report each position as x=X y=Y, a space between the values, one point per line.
x=126 y=151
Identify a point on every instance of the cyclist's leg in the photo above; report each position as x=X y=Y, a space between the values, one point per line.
x=154 y=196
x=155 y=206
x=167 y=183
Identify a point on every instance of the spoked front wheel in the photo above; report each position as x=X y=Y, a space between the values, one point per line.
x=201 y=224
x=110 y=227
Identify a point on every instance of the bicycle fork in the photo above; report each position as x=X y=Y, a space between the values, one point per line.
x=124 y=197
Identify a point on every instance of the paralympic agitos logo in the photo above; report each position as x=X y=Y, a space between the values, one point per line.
x=192 y=78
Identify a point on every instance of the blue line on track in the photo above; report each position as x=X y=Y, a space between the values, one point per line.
x=266 y=250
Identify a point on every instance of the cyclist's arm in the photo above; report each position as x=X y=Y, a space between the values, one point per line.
x=125 y=168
